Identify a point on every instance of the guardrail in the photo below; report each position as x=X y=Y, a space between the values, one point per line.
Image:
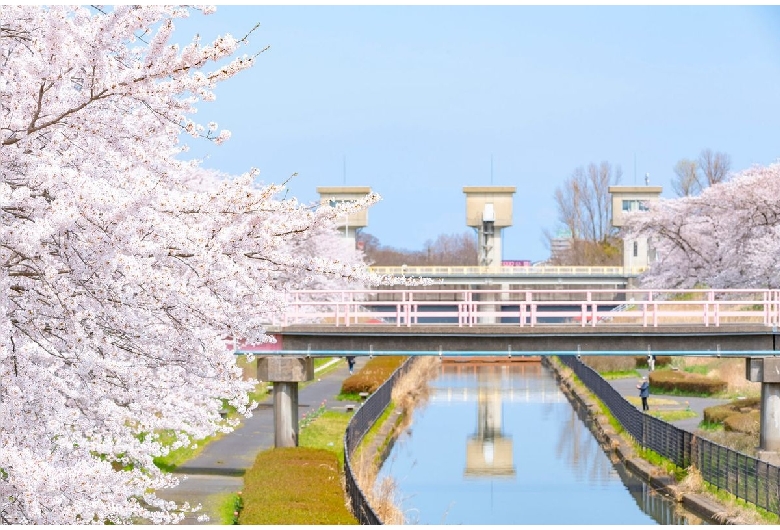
x=748 y=478
x=435 y=271
x=360 y=423
x=468 y=307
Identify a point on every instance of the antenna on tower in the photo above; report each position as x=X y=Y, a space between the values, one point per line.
x=647 y=179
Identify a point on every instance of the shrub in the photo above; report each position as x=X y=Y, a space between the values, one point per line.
x=671 y=380
x=747 y=422
x=609 y=363
x=719 y=413
x=660 y=361
x=375 y=372
x=294 y=485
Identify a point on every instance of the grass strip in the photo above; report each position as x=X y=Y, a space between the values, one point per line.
x=295 y=485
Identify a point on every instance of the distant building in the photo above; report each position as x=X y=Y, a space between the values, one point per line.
x=489 y=211
x=560 y=244
x=637 y=253
x=349 y=225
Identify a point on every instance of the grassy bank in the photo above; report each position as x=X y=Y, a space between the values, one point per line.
x=305 y=484
x=410 y=391
x=688 y=479
x=300 y=485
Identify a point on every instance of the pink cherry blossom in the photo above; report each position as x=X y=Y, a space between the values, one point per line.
x=726 y=237
x=124 y=265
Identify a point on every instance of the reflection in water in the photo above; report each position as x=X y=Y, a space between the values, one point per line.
x=530 y=457
x=489 y=452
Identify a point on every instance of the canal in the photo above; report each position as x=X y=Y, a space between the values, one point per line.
x=501 y=444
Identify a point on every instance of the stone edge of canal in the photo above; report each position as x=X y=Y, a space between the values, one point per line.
x=655 y=476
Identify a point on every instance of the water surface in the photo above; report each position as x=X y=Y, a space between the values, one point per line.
x=503 y=445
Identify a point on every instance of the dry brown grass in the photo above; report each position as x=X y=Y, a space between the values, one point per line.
x=745 y=443
x=412 y=389
x=729 y=369
x=409 y=392
x=381 y=496
x=611 y=363
x=693 y=481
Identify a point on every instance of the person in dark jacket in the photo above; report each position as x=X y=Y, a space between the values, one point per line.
x=644 y=392
x=351 y=362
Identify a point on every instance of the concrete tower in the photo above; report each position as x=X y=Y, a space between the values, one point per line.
x=348 y=224
x=637 y=253
x=489 y=210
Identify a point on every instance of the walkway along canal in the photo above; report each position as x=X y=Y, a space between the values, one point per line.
x=504 y=444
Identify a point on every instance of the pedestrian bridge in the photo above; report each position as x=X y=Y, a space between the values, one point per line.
x=532 y=276
x=517 y=322
x=522 y=307
x=514 y=324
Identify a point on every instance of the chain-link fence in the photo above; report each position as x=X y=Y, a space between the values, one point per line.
x=745 y=477
x=363 y=419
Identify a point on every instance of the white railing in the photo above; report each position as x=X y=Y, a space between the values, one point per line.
x=434 y=271
x=516 y=307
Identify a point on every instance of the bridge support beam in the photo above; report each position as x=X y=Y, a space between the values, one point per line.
x=766 y=370
x=285 y=373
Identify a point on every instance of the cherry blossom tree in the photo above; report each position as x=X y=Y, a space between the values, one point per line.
x=123 y=265
x=727 y=237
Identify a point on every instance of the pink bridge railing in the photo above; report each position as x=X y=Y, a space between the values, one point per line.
x=469 y=307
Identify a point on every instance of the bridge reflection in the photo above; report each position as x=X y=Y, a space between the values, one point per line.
x=488 y=451
x=497 y=379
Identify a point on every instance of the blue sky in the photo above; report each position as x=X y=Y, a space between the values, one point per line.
x=418 y=100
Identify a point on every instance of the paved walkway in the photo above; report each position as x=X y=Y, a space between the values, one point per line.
x=627 y=388
x=219 y=468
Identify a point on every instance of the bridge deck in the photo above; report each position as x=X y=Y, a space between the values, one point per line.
x=486 y=340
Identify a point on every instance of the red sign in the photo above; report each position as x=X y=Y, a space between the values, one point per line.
x=516 y=263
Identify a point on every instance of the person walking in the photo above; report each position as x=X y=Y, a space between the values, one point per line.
x=351 y=362
x=644 y=392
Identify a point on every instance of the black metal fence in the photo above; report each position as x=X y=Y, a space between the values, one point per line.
x=745 y=477
x=363 y=419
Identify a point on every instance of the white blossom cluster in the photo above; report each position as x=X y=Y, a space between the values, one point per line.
x=123 y=266
x=726 y=237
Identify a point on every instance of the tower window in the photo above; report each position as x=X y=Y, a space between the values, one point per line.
x=635 y=205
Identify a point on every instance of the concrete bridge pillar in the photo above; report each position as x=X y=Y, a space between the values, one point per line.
x=770 y=417
x=766 y=370
x=285 y=373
